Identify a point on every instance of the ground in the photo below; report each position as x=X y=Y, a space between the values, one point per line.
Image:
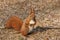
x=47 y=14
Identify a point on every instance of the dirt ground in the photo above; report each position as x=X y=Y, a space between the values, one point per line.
x=47 y=14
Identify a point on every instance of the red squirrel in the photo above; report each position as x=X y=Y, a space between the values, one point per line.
x=29 y=23
x=23 y=27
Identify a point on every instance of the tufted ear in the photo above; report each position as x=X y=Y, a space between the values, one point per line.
x=31 y=15
x=32 y=11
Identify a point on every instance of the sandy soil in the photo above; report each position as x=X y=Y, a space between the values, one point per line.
x=47 y=14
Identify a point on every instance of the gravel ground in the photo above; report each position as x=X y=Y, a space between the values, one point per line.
x=47 y=14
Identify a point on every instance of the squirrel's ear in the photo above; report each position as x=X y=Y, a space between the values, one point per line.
x=32 y=10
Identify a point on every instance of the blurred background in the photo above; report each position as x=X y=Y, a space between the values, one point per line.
x=47 y=14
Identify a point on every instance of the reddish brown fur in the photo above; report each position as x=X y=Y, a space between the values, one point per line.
x=19 y=25
x=14 y=22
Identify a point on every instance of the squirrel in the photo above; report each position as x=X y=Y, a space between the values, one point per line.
x=23 y=27
x=29 y=23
